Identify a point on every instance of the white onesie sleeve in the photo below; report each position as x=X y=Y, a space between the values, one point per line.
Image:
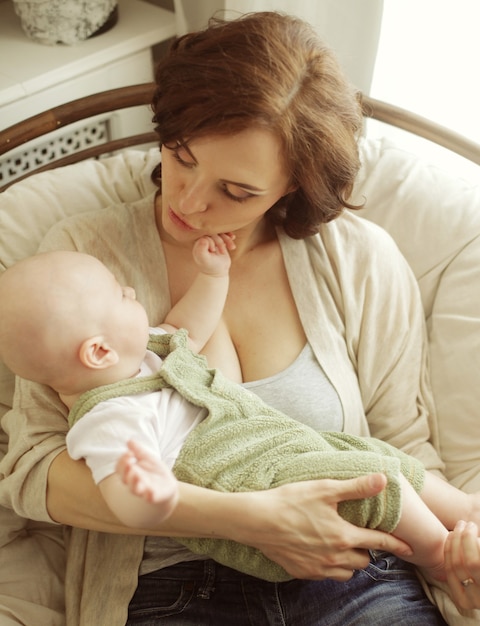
x=159 y=420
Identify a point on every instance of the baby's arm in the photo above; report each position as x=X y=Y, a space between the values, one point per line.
x=149 y=484
x=449 y=503
x=200 y=309
x=143 y=491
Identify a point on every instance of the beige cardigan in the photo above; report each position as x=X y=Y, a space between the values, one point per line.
x=359 y=305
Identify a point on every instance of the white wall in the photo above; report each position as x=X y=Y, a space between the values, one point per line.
x=351 y=27
x=428 y=62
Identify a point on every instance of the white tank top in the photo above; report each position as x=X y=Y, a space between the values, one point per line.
x=303 y=392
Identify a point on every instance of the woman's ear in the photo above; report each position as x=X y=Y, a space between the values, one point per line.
x=95 y=353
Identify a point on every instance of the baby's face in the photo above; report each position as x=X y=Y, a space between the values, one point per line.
x=123 y=317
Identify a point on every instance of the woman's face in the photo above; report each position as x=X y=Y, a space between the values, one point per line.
x=220 y=184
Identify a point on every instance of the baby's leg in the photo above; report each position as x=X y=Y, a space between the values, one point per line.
x=449 y=503
x=423 y=531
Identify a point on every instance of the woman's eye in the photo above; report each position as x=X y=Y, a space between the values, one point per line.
x=180 y=155
x=236 y=197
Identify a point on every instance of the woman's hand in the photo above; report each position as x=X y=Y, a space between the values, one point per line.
x=462 y=564
x=305 y=534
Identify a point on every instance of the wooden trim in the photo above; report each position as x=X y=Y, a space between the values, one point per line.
x=90 y=153
x=65 y=114
x=418 y=125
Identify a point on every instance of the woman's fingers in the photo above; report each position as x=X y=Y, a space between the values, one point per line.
x=462 y=565
x=366 y=487
x=361 y=487
x=306 y=535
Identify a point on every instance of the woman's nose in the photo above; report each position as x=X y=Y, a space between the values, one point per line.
x=193 y=199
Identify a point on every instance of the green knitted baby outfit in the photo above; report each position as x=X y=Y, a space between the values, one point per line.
x=245 y=445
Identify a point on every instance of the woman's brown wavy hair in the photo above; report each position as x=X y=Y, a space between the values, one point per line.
x=269 y=70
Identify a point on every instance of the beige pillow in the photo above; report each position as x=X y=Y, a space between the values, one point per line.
x=435 y=220
x=29 y=208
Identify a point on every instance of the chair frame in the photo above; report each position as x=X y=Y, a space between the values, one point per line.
x=422 y=127
x=80 y=109
x=134 y=95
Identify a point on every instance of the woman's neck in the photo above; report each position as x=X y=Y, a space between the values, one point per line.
x=249 y=239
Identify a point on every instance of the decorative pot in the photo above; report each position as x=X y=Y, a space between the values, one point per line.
x=65 y=21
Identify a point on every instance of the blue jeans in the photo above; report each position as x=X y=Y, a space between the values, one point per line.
x=202 y=593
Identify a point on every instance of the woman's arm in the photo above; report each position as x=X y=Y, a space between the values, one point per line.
x=283 y=523
x=295 y=525
x=387 y=338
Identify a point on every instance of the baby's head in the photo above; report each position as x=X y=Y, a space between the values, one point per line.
x=65 y=320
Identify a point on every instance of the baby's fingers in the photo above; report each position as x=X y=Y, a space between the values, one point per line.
x=135 y=481
x=124 y=464
x=221 y=243
x=229 y=240
x=217 y=244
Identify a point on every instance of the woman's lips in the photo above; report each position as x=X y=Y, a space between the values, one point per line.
x=178 y=221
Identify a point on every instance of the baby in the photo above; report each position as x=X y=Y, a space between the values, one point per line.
x=143 y=402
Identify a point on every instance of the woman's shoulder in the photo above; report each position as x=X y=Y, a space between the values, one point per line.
x=352 y=230
x=347 y=240
x=115 y=221
x=119 y=213
x=348 y=257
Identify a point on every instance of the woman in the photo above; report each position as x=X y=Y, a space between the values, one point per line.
x=258 y=133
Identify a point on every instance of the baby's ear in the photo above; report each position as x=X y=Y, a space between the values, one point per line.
x=95 y=353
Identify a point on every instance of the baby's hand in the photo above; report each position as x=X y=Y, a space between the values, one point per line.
x=211 y=253
x=145 y=475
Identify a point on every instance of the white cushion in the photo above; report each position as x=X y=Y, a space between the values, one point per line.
x=435 y=220
x=29 y=208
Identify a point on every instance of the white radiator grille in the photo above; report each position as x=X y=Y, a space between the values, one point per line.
x=26 y=160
